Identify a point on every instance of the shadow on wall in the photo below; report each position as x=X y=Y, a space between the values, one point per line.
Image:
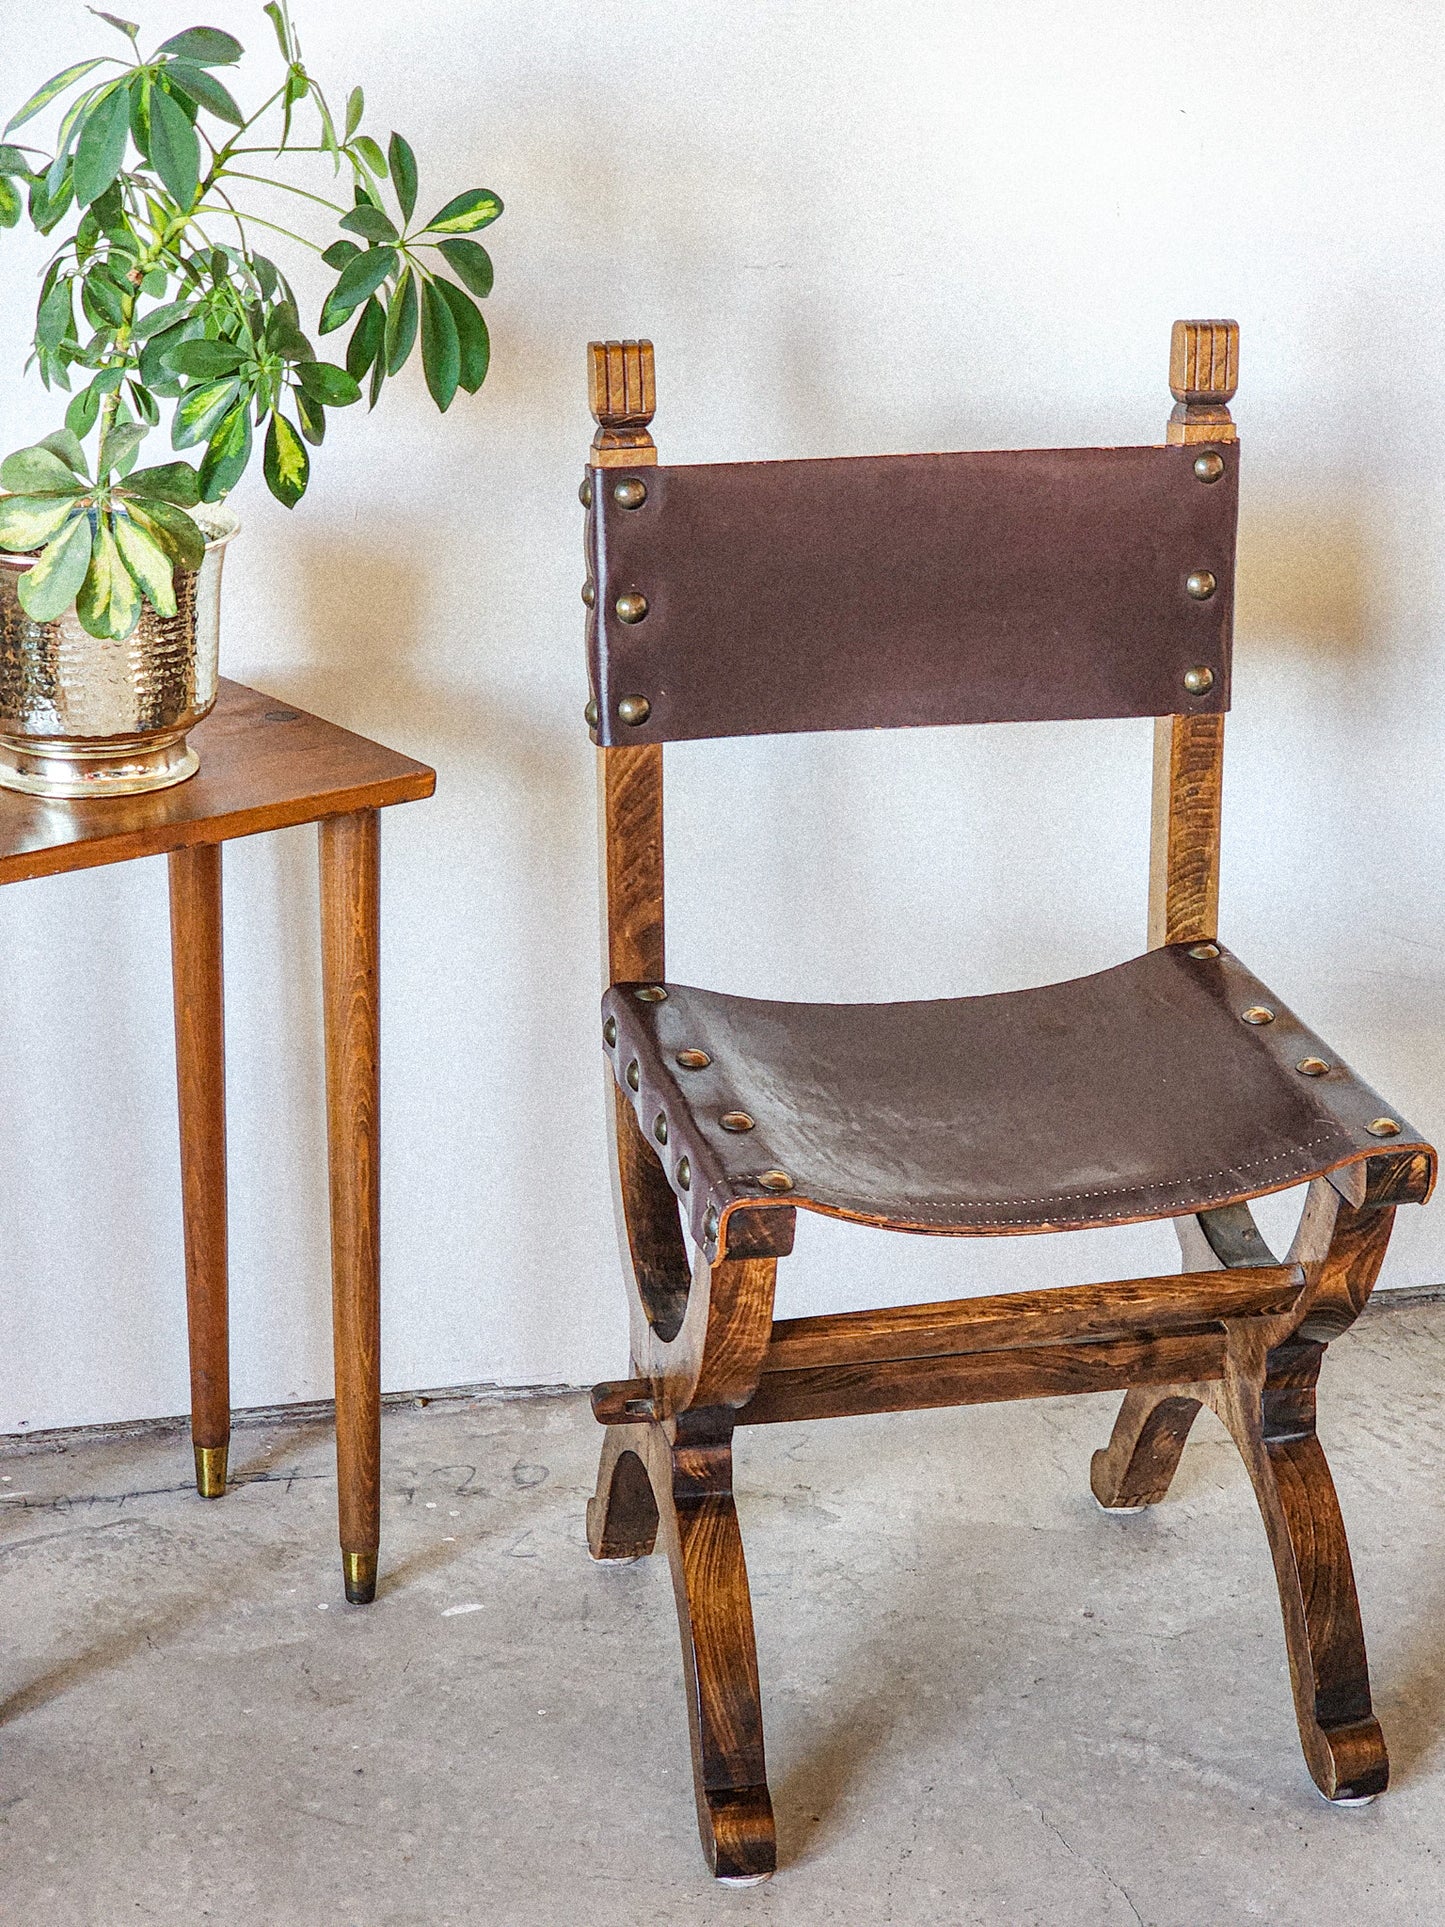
x=1304 y=581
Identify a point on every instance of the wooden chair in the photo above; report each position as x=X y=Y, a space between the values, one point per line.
x=740 y=598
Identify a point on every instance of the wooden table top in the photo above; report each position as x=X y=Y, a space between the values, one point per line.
x=264 y=766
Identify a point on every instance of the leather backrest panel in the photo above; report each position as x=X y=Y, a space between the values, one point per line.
x=884 y=591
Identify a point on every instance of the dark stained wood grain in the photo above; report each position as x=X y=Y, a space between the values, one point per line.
x=197 y=994
x=1137 y=1465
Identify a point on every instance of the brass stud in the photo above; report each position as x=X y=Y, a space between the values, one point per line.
x=1201 y=584
x=710 y=1223
x=736 y=1121
x=1384 y=1127
x=1312 y=1067
x=775 y=1180
x=629 y=494
x=693 y=1060
x=1209 y=466
x=1258 y=1014
x=1199 y=681
x=609 y=1033
x=650 y=994
x=589 y=594
x=584 y=491
x=634 y=710
x=632 y=607
x=634 y=1076
x=659 y=1127
x=684 y=1175
x=592 y=715
x=1204 y=951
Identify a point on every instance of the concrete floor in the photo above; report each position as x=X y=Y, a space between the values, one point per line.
x=987 y=1701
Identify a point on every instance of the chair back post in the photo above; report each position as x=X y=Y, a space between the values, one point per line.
x=622 y=397
x=1189 y=750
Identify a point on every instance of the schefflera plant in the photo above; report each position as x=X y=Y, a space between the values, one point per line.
x=148 y=301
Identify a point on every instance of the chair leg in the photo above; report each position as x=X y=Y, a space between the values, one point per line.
x=622 y=1517
x=1135 y=1468
x=693 y=1483
x=1273 y=1423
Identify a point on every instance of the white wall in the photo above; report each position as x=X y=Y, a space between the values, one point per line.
x=848 y=229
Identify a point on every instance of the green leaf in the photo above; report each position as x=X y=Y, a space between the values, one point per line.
x=129 y=28
x=440 y=350
x=14 y=160
x=150 y=567
x=39 y=471
x=47 y=93
x=471 y=263
x=268 y=277
x=339 y=253
x=371 y=223
x=205 y=90
x=174 y=150
x=401 y=319
x=326 y=383
x=177 y=534
x=367 y=338
x=207 y=360
x=355 y=108
x=56 y=316
x=472 y=337
x=371 y=154
x=227 y=453
x=10 y=203
x=143 y=402
x=81 y=415
x=108 y=603
x=50 y=585
x=284 y=337
x=67 y=446
x=159 y=319
x=169 y=481
x=285 y=463
x=477 y=208
x=200 y=411
x=118 y=450
x=312 y=418
x=359 y=278
x=101 y=147
x=101 y=298
x=30 y=521
x=47 y=210
x=403 y=174
x=276 y=17
x=207 y=46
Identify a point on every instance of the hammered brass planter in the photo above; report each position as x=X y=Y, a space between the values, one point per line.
x=82 y=716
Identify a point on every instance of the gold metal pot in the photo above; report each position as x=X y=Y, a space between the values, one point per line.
x=83 y=716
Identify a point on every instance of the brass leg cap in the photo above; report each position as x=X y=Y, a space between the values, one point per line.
x=211 y=1470
x=358 y=1569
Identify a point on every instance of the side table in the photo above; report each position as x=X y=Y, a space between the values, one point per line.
x=264 y=766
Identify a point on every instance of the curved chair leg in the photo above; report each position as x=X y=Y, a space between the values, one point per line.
x=692 y=1479
x=1273 y=1424
x=622 y=1518
x=1134 y=1469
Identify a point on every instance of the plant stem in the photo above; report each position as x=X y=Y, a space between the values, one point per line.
x=256 y=218
x=237 y=174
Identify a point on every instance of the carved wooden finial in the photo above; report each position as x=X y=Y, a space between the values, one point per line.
x=1203 y=375
x=623 y=397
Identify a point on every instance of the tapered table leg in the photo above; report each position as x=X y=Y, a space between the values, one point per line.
x=350 y=941
x=196 y=974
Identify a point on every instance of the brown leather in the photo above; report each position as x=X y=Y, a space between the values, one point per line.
x=904 y=589
x=1136 y=1093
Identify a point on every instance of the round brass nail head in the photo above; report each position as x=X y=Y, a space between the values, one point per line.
x=650 y=994
x=775 y=1180
x=1199 y=681
x=609 y=1032
x=629 y=494
x=1209 y=466
x=589 y=594
x=631 y=607
x=1312 y=1067
x=1201 y=584
x=634 y=1076
x=634 y=710
x=1258 y=1014
x=736 y=1121
x=584 y=489
x=710 y=1223
x=592 y=715
x=684 y=1175
x=693 y=1060
x=659 y=1127
x=1204 y=951
x=1384 y=1127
